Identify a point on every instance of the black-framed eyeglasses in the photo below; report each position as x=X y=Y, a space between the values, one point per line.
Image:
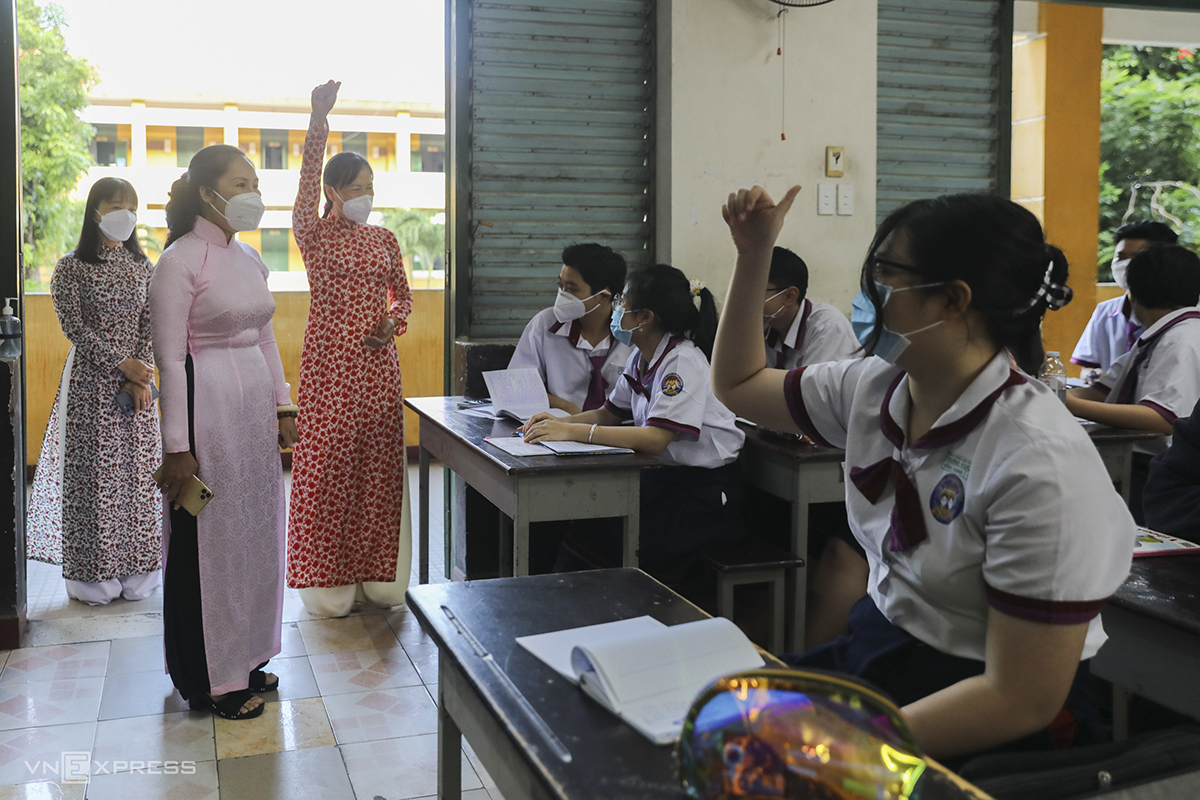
x=880 y=266
x=777 y=733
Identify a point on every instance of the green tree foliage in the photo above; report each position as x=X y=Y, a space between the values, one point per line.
x=1149 y=142
x=422 y=241
x=54 y=139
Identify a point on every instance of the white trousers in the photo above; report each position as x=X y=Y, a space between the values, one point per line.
x=336 y=601
x=131 y=587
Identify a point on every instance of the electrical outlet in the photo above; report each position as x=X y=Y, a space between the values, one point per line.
x=845 y=199
x=826 y=193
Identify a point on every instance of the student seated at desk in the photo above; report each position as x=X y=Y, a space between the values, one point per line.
x=694 y=502
x=1171 y=498
x=570 y=345
x=992 y=531
x=1159 y=380
x=1112 y=330
x=800 y=332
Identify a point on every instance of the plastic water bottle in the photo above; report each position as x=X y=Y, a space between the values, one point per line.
x=10 y=332
x=1054 y=375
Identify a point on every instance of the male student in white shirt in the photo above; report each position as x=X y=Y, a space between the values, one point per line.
x=1111 y=331
x=570 y=344
x=1158 y=381
x=798 y=331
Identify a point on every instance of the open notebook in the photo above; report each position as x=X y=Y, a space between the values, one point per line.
x=646 y=673
x=515 y=446
x=516 y=393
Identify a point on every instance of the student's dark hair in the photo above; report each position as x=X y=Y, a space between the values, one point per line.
x=787 y=270
x=207 y=167
x=1156 y=232
x=340 y=171
x=600 y=267
x=1165 y=277
x=668 y=293
x=88 y=248
x=994 y=246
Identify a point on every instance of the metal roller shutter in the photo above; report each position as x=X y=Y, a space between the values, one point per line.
x=559 y=145
x=944 y=99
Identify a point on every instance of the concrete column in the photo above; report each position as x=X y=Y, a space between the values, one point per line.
x=137 y=135
x=231 y=126
x=1072 y=157
x=403 y=141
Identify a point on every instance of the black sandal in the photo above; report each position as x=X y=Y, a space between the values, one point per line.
x=229 y=706
x=259 y=683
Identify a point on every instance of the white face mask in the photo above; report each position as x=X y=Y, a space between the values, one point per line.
x=243 y=211
x=1119 y=268
x=118 y=225
x=568 y=307
x=767 y=318
x=356 y=209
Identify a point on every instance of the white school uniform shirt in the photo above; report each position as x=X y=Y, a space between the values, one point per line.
x=674 y=392
x=1003 y=504
x=561 y=356
x=1110 y=334
x=1161 y=372
x=818 y=333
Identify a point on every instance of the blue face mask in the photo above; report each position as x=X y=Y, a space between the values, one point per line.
x=891 y=345
x=622 y=335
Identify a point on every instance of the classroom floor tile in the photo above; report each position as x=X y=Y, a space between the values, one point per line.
x=46 y=790
x=200 y=784
x=139 y=654
x=399 y=768
x=317 y=773
x=178 y=736
x=296 y=679
x=385 y=714
x=363 y=632
x=139 y=695
x=34 y=755
x=361 y=670
x=24 y=705
x=425 y=659
x=286 y=725
x=60 y=662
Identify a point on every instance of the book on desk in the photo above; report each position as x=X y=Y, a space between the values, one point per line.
x=645 y=672
x=1153 y=543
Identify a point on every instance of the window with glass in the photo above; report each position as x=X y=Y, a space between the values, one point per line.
x=274 y=149
x=188 y=141
x=355 y=142
x=104 y=146
x=275 y=249
x=428 y=151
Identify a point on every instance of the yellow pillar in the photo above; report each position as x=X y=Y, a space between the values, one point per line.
x=1073 y=52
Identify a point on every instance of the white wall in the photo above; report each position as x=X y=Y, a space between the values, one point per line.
x=719 y=129
x=1128 y=25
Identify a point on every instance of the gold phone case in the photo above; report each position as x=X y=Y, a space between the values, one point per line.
x=194 y=497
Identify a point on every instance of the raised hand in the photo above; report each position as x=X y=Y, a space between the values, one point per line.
x=323 y=98
x=754 y=219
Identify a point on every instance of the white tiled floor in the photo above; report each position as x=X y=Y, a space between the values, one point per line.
x=355 y=718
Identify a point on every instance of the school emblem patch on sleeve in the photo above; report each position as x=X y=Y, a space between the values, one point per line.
x=672 y=384
x=948 y=498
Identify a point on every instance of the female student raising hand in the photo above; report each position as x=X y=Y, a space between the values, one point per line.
x=991 y=531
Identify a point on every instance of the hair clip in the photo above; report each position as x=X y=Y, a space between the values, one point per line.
x=697 y=285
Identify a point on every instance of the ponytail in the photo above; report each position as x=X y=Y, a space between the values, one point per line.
x=667 y=292
x=1025 y=339
x=207 y=167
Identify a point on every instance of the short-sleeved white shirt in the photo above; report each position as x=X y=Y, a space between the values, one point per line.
x=674 y=392
x=818 y=333
x=1018 y=511
x=561 y=356
x=1167 y=360
x=1109 y=334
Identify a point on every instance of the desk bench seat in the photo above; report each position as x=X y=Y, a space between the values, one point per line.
x=754 y=561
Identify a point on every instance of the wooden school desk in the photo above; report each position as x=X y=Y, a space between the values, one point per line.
x=803 y=474
x=1153 y=647
x=531 y=489
x=608 y=758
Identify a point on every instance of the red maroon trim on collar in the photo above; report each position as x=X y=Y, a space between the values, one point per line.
x=672 y=343
x=1146 y=341
x=951 y=432
x=573 y=335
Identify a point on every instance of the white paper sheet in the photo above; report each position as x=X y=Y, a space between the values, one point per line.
x=555 y=648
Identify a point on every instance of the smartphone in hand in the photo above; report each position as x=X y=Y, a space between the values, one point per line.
x=193 y=498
